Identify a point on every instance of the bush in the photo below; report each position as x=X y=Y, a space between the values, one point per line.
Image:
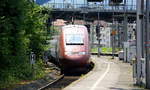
x=22 y=30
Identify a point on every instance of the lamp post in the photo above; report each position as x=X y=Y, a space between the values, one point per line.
x=139 y=16
x=147 y=45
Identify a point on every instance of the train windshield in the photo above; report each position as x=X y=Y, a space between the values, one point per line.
x=74 y=39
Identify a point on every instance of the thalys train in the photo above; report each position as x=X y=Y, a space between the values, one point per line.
x=71 y=48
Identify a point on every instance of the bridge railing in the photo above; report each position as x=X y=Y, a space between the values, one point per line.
x=97 y=7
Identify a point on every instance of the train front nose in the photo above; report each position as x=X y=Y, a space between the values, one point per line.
x=76 y=59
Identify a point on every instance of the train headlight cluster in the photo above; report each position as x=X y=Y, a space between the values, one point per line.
x=68 y=53
x=82 y=53
x=75 y=53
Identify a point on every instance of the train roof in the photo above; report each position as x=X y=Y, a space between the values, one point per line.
x=76 y=26
x=74 y=29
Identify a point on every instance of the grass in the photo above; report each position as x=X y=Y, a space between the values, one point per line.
x=104 y=50
x=12 y=81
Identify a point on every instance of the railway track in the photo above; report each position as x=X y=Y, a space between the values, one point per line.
x=67 y=79
x=62 y=83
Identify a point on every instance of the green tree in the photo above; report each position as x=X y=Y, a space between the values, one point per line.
x=22 y=30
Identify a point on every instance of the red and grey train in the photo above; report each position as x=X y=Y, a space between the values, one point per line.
x=72 y=49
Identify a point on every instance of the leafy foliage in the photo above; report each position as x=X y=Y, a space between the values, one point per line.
x=22 y=30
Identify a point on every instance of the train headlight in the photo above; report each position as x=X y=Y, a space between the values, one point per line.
x=68 y=53
x=82 y=53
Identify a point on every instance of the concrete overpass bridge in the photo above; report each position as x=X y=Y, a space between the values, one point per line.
x=90 y=12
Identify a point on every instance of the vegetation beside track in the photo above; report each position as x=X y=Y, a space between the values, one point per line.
x=106 y=50
x=23 y=29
